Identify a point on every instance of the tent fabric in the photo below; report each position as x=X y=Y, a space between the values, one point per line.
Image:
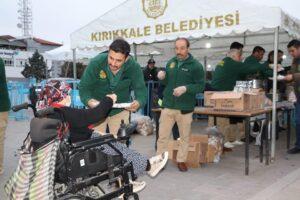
x=148 y=21
x=64 y=53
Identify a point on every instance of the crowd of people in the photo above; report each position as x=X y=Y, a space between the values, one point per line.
x=116 y=72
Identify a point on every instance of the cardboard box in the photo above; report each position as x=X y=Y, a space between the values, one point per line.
x=258 y=100
x=238 y=101
x=199 y=151
x=208 y=102
x=203 y=148
x=196 y=152
x=231 y=101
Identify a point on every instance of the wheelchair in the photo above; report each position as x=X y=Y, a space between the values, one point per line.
x=82 y=170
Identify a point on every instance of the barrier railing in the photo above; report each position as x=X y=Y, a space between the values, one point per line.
x=19 y=91
x=18 y=94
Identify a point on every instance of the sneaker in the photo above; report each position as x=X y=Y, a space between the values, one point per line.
x=157 y=163
x=228 y=145
x=137 y=185
x=237 y=142
x=154 y=159
x=294 y=150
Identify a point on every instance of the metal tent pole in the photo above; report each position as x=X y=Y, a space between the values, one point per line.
x=134 y=51
x=74 y=68
x=273 y=141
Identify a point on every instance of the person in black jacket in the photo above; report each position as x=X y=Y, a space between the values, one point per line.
x=150 y=71
x=79 y=120
x=150 y=74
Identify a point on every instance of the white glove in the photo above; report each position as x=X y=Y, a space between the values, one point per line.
x=161 y=75
x=177 y=92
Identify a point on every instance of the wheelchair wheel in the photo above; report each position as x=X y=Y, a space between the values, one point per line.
x=133 y=196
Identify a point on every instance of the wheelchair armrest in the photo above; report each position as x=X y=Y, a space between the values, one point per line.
x=94 y=141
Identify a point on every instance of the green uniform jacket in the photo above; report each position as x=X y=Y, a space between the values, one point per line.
x=4 y=99
x=188 y=73
x=95 y=84
x=262 y=71
x=226 y=73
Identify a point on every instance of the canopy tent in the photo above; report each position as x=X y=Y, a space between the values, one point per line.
x=149 y=21
x=209 y=57
x=155 y=21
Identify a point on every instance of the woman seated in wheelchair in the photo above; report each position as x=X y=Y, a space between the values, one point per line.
x=57 y=94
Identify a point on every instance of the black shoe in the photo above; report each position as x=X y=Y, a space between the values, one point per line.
x=281 y=129
x=294 y=150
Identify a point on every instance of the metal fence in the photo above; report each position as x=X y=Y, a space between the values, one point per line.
x=18 y=94
x=19 y=91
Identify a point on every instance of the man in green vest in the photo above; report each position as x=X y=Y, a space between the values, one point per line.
x=183 y=78
x=4 y=108
x=113 y=72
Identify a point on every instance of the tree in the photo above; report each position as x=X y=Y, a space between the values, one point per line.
x=36 y=68
x=67 y=70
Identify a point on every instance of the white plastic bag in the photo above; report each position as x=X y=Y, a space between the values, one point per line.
x=145 y=124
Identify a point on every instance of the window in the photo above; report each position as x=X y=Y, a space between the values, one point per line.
x=20 y=62
x=8 y=62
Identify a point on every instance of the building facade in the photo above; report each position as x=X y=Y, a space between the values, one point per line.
x=15 y=52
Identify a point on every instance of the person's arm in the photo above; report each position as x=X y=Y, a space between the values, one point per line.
x=266 y=71
x=138 y=85
x=294 y=76
x=80 y=118
x=198 y=79
x=146 y=74
x=246 y=69
x=87 y=83
x=155 y=74
x=253 y=68
x=162 y=75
